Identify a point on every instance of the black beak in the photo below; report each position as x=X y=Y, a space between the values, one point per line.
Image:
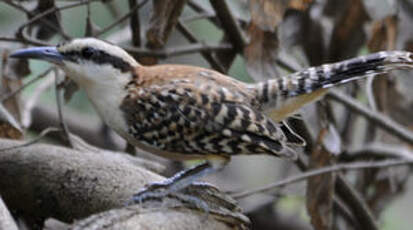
x=42 y=53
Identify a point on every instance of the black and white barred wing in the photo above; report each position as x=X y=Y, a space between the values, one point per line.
x=182 y=119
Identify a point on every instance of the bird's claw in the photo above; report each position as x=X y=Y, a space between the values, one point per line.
x=160 y=190
x=155 y=190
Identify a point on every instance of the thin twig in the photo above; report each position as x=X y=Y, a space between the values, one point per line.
x=141 y=51
x=26 y=39
x=380 y=120
x=11 y=94
x=378 y=151
x=371 y=129
x=16 y=6
x=120 y=36
x=215 y=64
x=33 y=141
x=121 y=19
x=26 y=36
x=22 y=28
x=135 y=25
x=345 y=213
x=345 y=192
x=23 y=41
x=63 y=124
x=26 y=114
x=89 y=30
x=229 y=24
x=38 y=17
x=356 y=202
x=203 y=15
x=200 y=9
x=370 y=93
x=85 y=126
x=316 y=172
x=176 y=51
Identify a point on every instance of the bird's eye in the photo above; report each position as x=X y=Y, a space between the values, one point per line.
x=88 y=52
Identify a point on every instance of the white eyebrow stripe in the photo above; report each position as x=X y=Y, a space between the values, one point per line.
x=77 y=45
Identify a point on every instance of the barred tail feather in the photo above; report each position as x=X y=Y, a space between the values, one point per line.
x=283 y=92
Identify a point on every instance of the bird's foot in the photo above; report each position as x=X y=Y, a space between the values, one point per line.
x=199 y=196
x=182 y=188
x=175 y=184
x=152 y=191
x=166 y=189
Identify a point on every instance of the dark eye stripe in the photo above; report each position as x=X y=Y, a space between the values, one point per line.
x=88 y=52
x=98 y=57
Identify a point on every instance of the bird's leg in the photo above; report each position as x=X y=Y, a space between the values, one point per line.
x=175 y=183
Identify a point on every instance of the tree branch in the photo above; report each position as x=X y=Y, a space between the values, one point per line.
x=192 y=39
x=380 y=120
x=316 y=172
x=135 y=25
x=11 y=94
x=121 y=19
x=229 y=24
x=71 y=184
x=170 y=52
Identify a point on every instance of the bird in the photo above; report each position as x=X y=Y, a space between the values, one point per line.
x=184 y=112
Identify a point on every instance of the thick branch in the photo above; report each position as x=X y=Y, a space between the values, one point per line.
x=41 y=181
x=171 y=216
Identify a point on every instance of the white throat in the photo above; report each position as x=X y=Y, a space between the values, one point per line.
x=106 y=91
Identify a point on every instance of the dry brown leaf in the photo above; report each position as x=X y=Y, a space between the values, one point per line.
x=261 y=52
x=267 y=14
x=300 y=4
x=9 y=127
x=10 y=107
x=320 y=189
x=383 y=35
x=348 y=33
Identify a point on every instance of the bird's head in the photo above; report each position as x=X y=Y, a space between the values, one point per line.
x=86 y=60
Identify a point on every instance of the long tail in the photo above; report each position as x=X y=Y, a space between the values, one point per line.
x=287 y=94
